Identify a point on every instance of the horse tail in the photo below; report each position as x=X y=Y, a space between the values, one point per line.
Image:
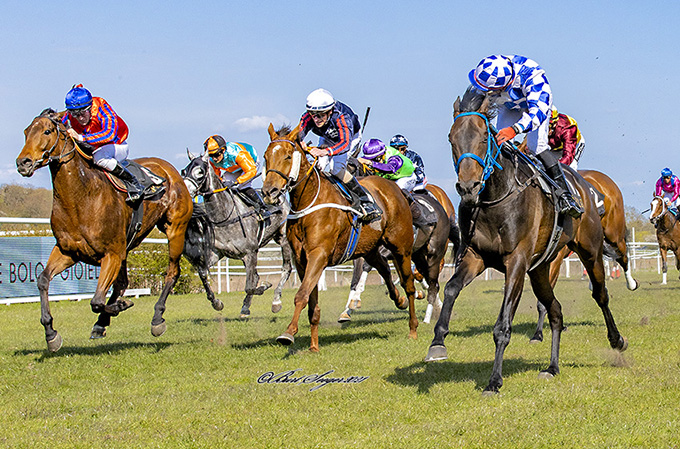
x=200 y=237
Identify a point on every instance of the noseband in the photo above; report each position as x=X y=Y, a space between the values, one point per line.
x=291 y=177
x=493 y=150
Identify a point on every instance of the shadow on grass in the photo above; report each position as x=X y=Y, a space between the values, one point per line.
x=93 y=350
x=302 y=342
x=520 y=330
x=425 y=375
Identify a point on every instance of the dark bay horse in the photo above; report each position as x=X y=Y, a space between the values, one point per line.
x=614 y=229
x=667 y=232
x=230 y=228
x=320 y=229
x=90 y=220
x=507 y=224
x=432 y=242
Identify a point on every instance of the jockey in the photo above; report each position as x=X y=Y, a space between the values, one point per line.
x=400 y=143
x=565 y=137
x=93 y=121
x=524 y=101
x=668 y=186
x=339 y=132
x=236 y=164
x=389 y=163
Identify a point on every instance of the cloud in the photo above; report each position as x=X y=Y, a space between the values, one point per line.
x=256 y=122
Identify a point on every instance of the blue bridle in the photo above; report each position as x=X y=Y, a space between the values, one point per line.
x=493 y=150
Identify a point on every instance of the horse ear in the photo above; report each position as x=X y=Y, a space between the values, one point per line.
x=456 y=106
x=191 y=155
x=272 y=132
x=484 y=108
x=294 y=133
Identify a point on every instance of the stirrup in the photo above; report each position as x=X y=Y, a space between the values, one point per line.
x=371 y=212
x=569 y=207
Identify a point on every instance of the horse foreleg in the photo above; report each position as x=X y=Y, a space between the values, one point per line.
x=113 y=305
x=549 y=303
x=595 y=267
x=664 y=266
x=427 y=265
x=516 y=268
x=175 y=235
x=360 y=271
x=314 y=315
x=286 y=269
x=310 y=274
x=466 y=271
x=56 y=263
x=252 y=278
x=110 y=267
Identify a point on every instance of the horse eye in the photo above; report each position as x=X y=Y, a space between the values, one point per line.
x=197 y=172
x=47 y=132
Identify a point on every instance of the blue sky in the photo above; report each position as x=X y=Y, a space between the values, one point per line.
x=178 y=72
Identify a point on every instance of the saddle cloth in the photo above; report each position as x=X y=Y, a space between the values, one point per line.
x=154 y=185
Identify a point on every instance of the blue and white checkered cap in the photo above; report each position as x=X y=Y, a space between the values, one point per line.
x=492 y=73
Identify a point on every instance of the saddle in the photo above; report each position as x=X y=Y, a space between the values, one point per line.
x=154 y=185
x=428 y=213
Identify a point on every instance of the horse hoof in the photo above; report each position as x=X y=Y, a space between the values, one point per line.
x=435 y=353
x=403 y=303
x=285 y=339
x=276 y=307
x=623 y=344
x=244 y=316
x=420 y=295
x=55 y=344
x=218 y=305
x=535 y=340
x=635 y=287
x=118 y=306
x=488 y=393
x=344 y=318
x=158 y=329
x=97 y=332
x=545 y=375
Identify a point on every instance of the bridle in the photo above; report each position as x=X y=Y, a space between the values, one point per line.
x=47 y=157
x=655 y=220
x=292 y=176
x=493 y=151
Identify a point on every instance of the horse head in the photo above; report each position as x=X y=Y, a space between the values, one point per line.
x=658 y=208
x=473 y=147
x=196 y=175
x=284 y=159
x=42 y=140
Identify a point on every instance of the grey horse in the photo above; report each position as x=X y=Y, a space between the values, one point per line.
x=227 y=226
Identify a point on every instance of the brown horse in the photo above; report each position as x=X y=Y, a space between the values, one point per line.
x=320 y=228
x=507 y=223
x=90 y=221
x=667 y=232
x=445 y=201
x=614 y=229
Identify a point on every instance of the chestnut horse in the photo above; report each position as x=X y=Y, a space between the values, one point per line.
x=667 y=232
x=320 y=228
x=507 y=223
x=614 y=229
x=361 y=268
x=90 y=220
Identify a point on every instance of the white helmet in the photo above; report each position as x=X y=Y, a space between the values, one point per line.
x=320 y=100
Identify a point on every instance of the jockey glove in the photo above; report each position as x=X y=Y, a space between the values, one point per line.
x=505 y=134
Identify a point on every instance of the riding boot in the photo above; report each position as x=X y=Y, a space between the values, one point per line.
x=554 y=170
x=417 y=214
x=134 y=187
x=257 y=202
x=371 y=211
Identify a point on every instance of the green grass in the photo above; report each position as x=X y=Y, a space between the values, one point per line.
x=196 y=386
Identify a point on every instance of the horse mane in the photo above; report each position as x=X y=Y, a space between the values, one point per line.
x=283 y=131
x=47 y=112
x=473 y=99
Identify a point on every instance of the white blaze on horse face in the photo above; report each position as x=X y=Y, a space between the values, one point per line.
x=655 y=204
